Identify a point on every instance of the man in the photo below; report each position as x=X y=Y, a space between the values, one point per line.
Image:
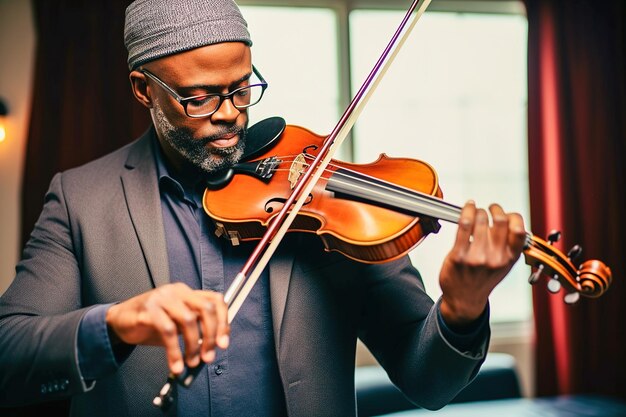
x=123 y=262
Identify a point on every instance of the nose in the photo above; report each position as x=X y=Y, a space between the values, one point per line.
x=226 y=112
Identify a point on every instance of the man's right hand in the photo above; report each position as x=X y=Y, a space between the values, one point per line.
x=158 y=316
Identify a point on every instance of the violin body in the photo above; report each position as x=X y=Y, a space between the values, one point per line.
x=361 y=231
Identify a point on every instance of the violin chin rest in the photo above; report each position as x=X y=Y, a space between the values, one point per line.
x=260 y=138
x=263 y=136
x=219 y=179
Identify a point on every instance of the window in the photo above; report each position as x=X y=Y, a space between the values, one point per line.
x=455 y=98
x=298 y=58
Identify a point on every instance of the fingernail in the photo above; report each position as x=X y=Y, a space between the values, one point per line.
x=178 y=367
x=209 y=356
x=194 y=361
x=223 y=341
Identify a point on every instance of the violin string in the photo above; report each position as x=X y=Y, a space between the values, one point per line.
x=406 y=200
x=394 y=191
x=407 y=192
x=371 y=187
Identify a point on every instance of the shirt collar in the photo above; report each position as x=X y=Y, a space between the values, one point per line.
x=184 y=188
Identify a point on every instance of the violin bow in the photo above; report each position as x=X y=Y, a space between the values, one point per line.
x=245 y=280
x=265 y=249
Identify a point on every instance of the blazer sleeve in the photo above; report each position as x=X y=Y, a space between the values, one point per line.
x=41 y=311
x=401 y=328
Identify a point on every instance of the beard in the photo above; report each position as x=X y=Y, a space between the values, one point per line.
x=197 y=151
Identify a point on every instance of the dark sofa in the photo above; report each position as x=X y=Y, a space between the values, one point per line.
x=495 y=392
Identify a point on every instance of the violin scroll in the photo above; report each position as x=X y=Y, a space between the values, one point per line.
x=595 y=278
x=591 y=279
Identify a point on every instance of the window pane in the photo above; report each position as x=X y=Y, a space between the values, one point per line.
x=455 y=98
x=298 y=57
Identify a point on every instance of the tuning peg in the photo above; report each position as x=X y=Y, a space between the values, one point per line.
x=554 y=285
x=534 y=277
x=554 y=236
x=574 y=252
x=572 y=298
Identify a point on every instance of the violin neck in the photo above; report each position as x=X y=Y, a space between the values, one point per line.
x=360 y=187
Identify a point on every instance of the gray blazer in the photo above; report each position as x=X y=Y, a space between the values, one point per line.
x=100 y=240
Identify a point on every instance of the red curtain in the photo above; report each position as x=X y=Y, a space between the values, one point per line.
x=82 y=105
x=577 y=151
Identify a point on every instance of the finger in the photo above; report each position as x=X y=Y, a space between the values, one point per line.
x=222 y=333
x=500 y=230
x=206 y=312
x=187 y=322
x=169 y=336
x=464 y=232
x=480 y=236
x=517 y=233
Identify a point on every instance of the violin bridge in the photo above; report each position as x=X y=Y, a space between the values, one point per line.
x=296 y=169
x=232 y=235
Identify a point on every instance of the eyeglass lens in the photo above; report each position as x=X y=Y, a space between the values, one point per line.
x=241 y=98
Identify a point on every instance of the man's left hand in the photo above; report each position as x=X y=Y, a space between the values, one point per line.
x=483 y=254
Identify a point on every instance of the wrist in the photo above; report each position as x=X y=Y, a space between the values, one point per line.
x=109 y=320
x=458 y=315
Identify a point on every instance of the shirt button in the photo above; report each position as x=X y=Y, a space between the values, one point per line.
x=219 y=370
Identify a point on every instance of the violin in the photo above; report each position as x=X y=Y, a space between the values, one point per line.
x=372 y=213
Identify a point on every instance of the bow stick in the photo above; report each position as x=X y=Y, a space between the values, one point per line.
x=265 y=249
x=243 y=284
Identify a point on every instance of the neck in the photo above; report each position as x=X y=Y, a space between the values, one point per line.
x=178 y=167
x=174 y=160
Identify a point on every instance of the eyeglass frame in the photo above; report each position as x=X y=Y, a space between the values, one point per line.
x=184 y=101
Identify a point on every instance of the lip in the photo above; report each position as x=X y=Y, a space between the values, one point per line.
x=226 y=140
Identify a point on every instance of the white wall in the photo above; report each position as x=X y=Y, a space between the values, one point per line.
x=17 y=47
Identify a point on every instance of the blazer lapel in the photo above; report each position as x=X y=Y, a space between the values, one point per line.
x=280 y=267
x=141 y=191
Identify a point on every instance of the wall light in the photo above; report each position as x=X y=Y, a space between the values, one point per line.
x=4 y=110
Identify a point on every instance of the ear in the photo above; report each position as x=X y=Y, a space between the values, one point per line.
x=140 y=88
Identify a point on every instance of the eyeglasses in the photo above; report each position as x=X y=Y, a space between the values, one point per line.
x=204 y=105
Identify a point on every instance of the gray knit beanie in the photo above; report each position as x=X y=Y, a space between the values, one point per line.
x=158 y=28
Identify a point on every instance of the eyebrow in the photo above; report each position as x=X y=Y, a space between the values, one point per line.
x=215 y=87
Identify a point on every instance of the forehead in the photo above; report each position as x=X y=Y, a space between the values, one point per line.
x=217 y=64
